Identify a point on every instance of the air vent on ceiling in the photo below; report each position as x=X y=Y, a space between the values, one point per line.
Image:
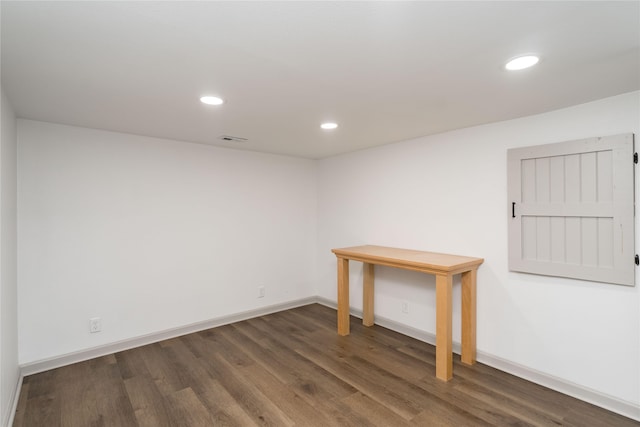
x=232 y=138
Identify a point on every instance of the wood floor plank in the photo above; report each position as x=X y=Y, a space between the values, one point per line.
x=187 y=410
x=385 y=356
x=132 y=363
x=43 y=410
x=161 y=370
x=318 y=387
x=307 y=378
x=185 y=365
x=232 y=416
x=112 y=401
x=518 y=410
x=216 y=338
x=375 y=413
x=380 y=392
x=439 y=415
x=245 y=393
x=78 y=398
x=149 y=405
x=224 y=409
x=43 y=384
x=292 y=368
x=388 y=385
x=286 y=399
x=386 y=361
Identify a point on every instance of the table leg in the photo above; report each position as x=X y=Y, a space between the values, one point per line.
x=468 y=351
x=444 y=357
x=343 y=296
x=367 y=295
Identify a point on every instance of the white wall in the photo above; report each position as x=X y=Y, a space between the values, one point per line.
x=448 y=193
x=151 y=234
x=9 y=371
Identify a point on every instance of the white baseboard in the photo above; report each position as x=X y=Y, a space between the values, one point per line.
x=8 y=419
x=103 y=350
x=611 y=403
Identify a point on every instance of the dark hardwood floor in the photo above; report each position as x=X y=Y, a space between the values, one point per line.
x=291 y=368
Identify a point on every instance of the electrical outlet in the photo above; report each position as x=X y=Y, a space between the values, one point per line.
x=260 y=291
x=405 y=307
x=95 y=324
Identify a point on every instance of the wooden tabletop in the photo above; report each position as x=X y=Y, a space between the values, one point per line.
x=428 y=262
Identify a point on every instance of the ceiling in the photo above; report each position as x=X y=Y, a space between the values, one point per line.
x=384 y=71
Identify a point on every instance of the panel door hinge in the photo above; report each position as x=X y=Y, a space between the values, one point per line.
x=635 y=158
x=637 y=260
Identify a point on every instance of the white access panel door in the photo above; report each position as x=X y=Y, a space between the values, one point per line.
x=571 y=209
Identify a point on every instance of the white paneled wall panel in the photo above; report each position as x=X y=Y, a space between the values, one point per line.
x=572 y=203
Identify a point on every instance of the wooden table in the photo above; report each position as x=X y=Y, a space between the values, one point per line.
x=444 y=267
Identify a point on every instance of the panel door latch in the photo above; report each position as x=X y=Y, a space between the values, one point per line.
x=637 y=260
x=635 y=158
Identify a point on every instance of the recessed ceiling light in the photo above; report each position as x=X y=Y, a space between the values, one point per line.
x=329 y=125
x=522 y=62
x=211 y=100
